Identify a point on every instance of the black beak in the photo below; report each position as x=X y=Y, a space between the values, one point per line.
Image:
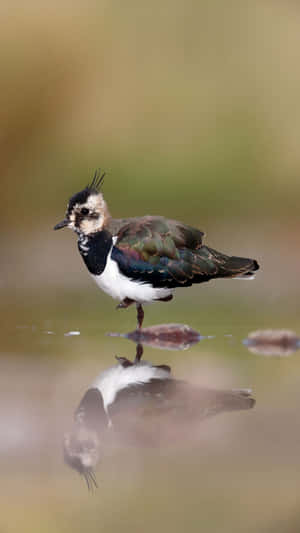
x=62 y=224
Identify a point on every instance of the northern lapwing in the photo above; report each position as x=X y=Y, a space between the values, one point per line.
x=144 y=259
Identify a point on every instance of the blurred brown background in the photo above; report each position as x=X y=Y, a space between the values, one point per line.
x=192 y=109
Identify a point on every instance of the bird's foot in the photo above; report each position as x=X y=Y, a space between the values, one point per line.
x=124 y=362
x=125 y=303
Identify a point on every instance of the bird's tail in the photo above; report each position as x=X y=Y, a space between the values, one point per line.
x=236 y=399
x=233 y=267
x=211 y=402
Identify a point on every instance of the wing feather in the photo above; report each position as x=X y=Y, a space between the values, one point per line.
x=169 y=254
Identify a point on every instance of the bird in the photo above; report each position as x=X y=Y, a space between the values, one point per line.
x=141 y=404
x=143 y=259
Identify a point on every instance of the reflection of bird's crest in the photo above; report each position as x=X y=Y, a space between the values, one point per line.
x=81 y=452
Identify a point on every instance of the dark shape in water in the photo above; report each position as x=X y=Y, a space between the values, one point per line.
x=164 y=336
x=141 y=404
x=278 y=342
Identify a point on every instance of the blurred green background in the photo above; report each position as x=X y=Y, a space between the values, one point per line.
x=192 y=109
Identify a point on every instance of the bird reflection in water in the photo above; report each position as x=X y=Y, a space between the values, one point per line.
x=141 y=404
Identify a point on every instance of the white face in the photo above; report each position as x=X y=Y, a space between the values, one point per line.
x=82 y=446
x=90 y=216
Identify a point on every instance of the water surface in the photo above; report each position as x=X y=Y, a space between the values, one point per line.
x=245 y=459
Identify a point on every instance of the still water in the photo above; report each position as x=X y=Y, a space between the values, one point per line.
x=237 y=471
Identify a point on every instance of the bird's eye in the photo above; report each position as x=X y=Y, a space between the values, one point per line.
x=84 y=211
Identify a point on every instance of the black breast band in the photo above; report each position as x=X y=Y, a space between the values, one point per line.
x=94 y=251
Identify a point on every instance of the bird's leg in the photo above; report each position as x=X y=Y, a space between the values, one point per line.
x=140 y=315
x=125 y=303
x=139 y=352
x=138 y=355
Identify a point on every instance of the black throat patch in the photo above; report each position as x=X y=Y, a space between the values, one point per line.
x=94 y=251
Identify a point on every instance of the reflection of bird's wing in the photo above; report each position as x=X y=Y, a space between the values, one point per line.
x=90 y=412
x=166 y=411
x=175 y=399
x=144 y=399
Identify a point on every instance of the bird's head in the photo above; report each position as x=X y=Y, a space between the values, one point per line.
x=87 y=211
x=81 y=452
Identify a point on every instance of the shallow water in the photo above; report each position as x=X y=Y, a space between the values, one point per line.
x=241 y=471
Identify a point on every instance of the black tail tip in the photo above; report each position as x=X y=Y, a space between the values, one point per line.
x=247 y=398
x=251 y=402
x=255 y=265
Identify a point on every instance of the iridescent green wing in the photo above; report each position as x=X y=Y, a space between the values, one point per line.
x=166 y=253
x=150 y=238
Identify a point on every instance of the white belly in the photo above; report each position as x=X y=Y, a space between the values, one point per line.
x=119 y=287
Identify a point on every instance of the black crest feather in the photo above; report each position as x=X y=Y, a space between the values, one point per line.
x=82 y=196
x=97 y=180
